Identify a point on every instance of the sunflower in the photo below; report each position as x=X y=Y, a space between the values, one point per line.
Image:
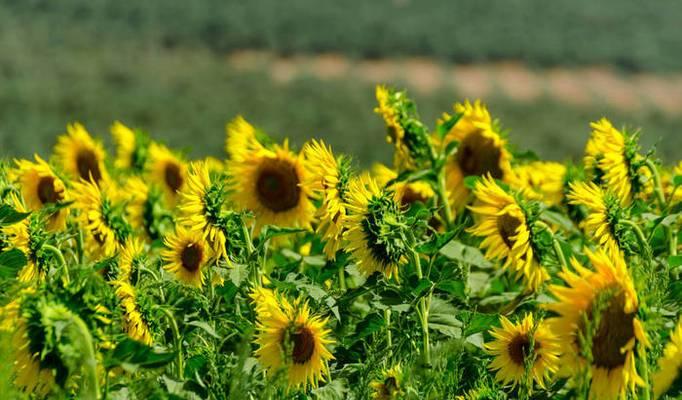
x=168 y=171
x=501 y=220
x=102 y=218
x=406 y=193
x=41 y=187
x=270 y=184
x=374 y=228
x=26 y=236
x=597 y=324
x=396 y=132
x=612 y=160
x=131 y=257
x=388 y=387
x=290 y=338
x=241 y=138
x=138 y=196
x=32 y=374
x=604 y=210
x=541 y=180
x=327 y=179
x=200 y=206
x=670 y=365
x=134 y=322
x=523 y=349
x=481 y=151
x=186 y=256
x=131 y=147
x=80 y=155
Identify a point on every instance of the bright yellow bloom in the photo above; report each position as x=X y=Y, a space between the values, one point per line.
x=168 y=171
x=388 y=387
x=80 y=155
x=599 y=204
x=134 y=323
x=396 y=132
x=541 y=180
x=186 y=256
x=290 y=338
x=524 y=342
x=132 y=254
x=670 y=365
x=500 y=220
x=19 y=237
x=240 y=139
x=124 y=138
x=406 y=193
x=606 y=291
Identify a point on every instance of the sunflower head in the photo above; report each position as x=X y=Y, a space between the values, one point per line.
x=523 y=351
x=668 y=378
x=541 y=180
x=406 y=193
x=241 y=138
x=290 y=338
x=598 y=325
x=270 y=183
x=168 y=171
x=42 y=188
x=505 y=226
x=131 y=147
x=186 y=256
x=136 y=314
x=132 y=257
x=404 y=128
x=80 y=155
x=388 y=386
x=377 y=228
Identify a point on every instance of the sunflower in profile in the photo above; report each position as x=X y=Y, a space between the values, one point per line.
x=32 y=374
x=131 y=147
x=134 y=322
x=186 y=256
x=597 y=324
x=375 y=228
x=502 y=222
x=270 y=184
x=201 y=203
x=41 y=187
x=131 y=257
x=214 y=165
x=101 y=216
x=290 y=338
x=604 y=211
x=406 y=193
x=27 y=236
x=611 y=158
x=167 y=170
x=327 y=180
x=541 y=180
x=526 y=348
x=80 y=155
x=481 y=151
x=388 y=387
x=670 y=366
x=241 y=138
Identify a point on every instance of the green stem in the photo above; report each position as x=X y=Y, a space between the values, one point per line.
x=658 y=188
x=672 y=240
x=644 y=245
x=58 y=253
x=342 y=278
x=79 y=245
x=423 y=311
x=178 y=342
x=389 y=337
x=555 y=244
x=645 y=371
x=443 y=199
x=91 y=387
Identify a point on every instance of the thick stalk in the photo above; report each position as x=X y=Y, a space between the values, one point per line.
x=389 y=337
x=60 y=257
x=555 y=244
x=177 y=341
x=423 y=312
x=342 y=278
x=672 y=240
x=658 y=188
x=644 y=245
x=443 y=199
x=645 y=371
x=90 y=389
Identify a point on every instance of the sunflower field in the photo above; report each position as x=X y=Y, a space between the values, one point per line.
x=467 y=269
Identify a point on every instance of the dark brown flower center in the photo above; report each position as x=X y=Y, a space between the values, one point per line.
x=389 y=388
x=615 y=330
x=46 y=190
x=88 y=165
x=304 y=345
x=506 y=226
x=173 y=176
x=477 y=155
x=277 y=185
x=519 y=348
x=411 y=196
x=191 y=257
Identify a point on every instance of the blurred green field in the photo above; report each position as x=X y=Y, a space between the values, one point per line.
x=73 y=60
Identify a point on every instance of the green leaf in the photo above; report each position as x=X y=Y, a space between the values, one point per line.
x=442 y=318
x=372 y=323
x=238 y=273
x=131 y=355
x=335 y=390
x=458 y=251
x=478 y=322
x=453 y=287
x=675 y=261
x=10 y=262
x=444 y=127
x=421 y=287
x=205 y=327
x=271 y=231
x=470 y=181
x=9 y=215
x=437 y=242
x=677 y=180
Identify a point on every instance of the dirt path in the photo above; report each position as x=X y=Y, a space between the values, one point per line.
x=579 y=86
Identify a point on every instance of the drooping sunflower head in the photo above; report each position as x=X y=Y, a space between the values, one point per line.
x=376 y=228
x=290 y=338
x=612 y=159
x=523 y=350
x=186 y=256
x=404 y=128
x=668 y=379
x=80 y=155
x=598 y=325
x=327 y=180
x=406 y=193
x=101 y=215
x=201 y=207
x=541 y=180
x=132 y=257
x=502 y=222
x=605 y=210
x=481 y=151
x=270 y=184
x=388 y=386
x=131 y=147
x=241 y=138
x=40 y=188
x=167 y=170
x=136 y=321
